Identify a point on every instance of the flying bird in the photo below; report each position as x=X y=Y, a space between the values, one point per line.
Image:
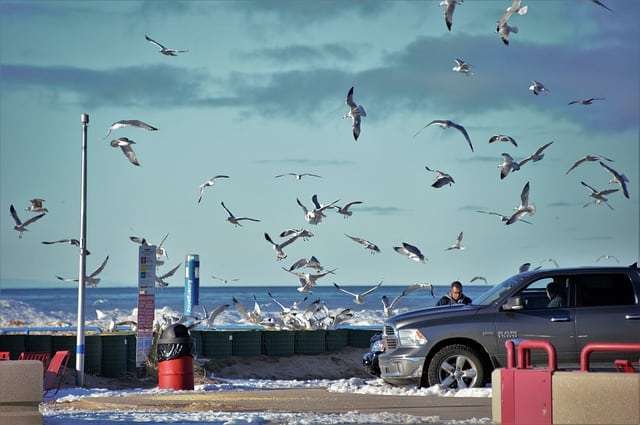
x=312 y=263
x=74 y=242
x=254 y=316
x=503 y=138
x=462 y=67
x=537 y=155
x=21 y=227
x=618 y=178
x=388 y=307
x=308 y=280
x=160 y=280
x=129 y=123
x=442 y=178
x=524 y=208
x=316 y=215
x=138 y=240
x=91 y=280
x=524 y=267
x=412 y=252
x=373 y=248
x=448 y=7
x=280 y=254
x=507 y=165
x=164 y=50
x=236 y=220
x=608 y=257
x=345 y=210
x=473 y=279
x=298 y=176
x=457 y=244
x=585 y=101
x=537 y=87
x=224 y=280
x=209 y=318
x=599 y=196
x=37 y=206
x=449 y=124
x=587 y=158
x=503 y=218
x=301 y=233
x=502 y=27
x=601 y=4
x=125 y=144
x=356 y=112
x=358 y=298
x=209 y=183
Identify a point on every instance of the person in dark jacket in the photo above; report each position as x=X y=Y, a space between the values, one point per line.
x=455 y=296
x=554 y=293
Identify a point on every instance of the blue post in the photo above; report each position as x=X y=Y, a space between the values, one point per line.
x=191 y=283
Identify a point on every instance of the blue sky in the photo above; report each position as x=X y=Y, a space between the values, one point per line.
x=261 y=92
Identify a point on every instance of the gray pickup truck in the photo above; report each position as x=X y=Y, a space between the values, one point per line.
x=459 y=345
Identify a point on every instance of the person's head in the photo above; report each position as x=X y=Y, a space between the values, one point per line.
x=553 y=289
x=456 y=290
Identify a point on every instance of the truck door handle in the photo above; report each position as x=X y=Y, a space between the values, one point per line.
x=560 y=319
x=632 y=317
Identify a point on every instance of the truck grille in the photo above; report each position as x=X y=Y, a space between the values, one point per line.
x=390 y=341
x=388 y=330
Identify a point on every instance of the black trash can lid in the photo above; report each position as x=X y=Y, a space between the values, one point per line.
x=175 y=334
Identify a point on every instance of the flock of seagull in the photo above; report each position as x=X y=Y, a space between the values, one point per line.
x=316 y=315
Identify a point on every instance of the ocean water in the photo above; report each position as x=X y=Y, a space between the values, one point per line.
x=42 y=306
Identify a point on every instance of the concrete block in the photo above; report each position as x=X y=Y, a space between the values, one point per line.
x=596 y=398
x=21 y=392
x=496 y=396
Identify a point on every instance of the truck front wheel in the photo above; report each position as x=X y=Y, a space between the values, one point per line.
x=456 y=366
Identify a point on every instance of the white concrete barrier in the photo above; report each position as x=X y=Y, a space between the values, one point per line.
x=20 y=392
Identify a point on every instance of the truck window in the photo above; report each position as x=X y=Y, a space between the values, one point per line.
x=605 y=289
x=547 y=292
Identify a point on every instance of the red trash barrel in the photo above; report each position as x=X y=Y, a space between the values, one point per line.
x=175 y=358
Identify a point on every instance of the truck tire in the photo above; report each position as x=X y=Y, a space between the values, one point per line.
x=456 y=366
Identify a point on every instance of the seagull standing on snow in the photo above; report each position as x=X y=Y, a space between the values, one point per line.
x=449 y=124
x=125 y=144
x=298 y=176
x=442 y=178
x=585 y=101
x=599 y=196
x=358 y=298
x=618 y=178
x=21 y=227
x=524 y=208
x=236 y=220
x=457 y=244
x=448 y=7
x=345 y=210
x=160 y=280
x=164 y=50
x=209 y=183
x=412 y=252
x=129 y=123
x=373 y=248
x=37 y=206
x=537 y=87
x=503 y=138
x=356 y=112
x=462 y=67
x=503 y=28
x=588 y=158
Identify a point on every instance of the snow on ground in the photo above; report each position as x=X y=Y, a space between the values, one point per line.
x=79 y=417
x=378 y=386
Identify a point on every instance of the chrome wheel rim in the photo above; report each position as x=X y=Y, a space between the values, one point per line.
x=458 y=372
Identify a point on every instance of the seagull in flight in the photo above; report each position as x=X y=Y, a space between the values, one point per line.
x=129 y=123
x=601 y=4
x=462 y=67
x=457 y=244
x=508 y=164
x=502 y=27
x=473 y=279
x=125 y=143
x=301 y=233
x=91 y=280
x=585 y=101
x=209 y=183
x=537 y=87
x=388 y=307
x=448 y=7
x=412 y=252
x=36 y=206
x=358 y=298
x=503 y=138
x=224 y=280
x=537 y=155
x=524 y=208
x=160 y=280
x=588 y=158
x=607 y=257
x=356 y=112
x=280 y=254
x=308 y=280
x=312 y=263
x=21 y=227
x=315 y=216
x=373 y=248
x=138 y=240
x=74 y=242
x=449 y=124
x=298 y=176
x=164 y=50
x=442 y=178
x=209 y=318
x=618 y=178
x=599 y=196
x=345 y=210
x=503 y=218
x=236 y=220
x=254 y=316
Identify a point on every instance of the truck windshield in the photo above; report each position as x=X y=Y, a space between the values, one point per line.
x=495 y=293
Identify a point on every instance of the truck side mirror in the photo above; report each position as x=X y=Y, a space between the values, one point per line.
x=513 y=303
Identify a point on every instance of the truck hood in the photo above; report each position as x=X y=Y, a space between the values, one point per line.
x=431 y=313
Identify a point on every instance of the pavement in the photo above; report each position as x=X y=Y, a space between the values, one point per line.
x=316 y=400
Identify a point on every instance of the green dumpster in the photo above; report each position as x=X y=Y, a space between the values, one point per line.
x=278 y=343
x=65 y=343
x=14 y=344
x=217 y=344
x=246 y=343
x=361 y=338
x=39 y=344
x=114 y=356
x=131 y=352
x=93 y=354
x=310 y=342
x=337 y=339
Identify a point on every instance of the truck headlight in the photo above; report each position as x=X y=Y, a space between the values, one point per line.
x=378 y=346
x=411 y=337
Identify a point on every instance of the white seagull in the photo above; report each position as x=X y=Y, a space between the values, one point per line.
x=449 y=124
x=21 y=227
x=161 y=252
x=585 y=101
x=587 y=158
x=308 y=280
x=618 y=178
x=537 y=155
x=442 y=178
x=608 y=257
x=507 y=165
x=345 y=210
x=448 y=7
x=298 y=176
x=358 y=298
x=280 y=255
x=390 y=306
x=457 y=244
x=301 y=233
x=211 y=316
x=503 y=138
x=311 y=263
x=36 y=206
x=224 y=280
x=503 y=218
x=209 y=183
x=164 y=50
x=537 y=87
x=524 y=208
x=73 y=242
x=315 y=216
x=473 y=279
x=129 y=123
x=462 y=67
x=125 y=144
x=91 y=280
x=373 y=248
x=160 y=280
x=356 y=112
x=254 y=316
x=236 y=220
x=502 y=27
x=412 y=252
x=599 y=196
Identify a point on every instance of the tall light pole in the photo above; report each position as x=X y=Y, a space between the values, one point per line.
x=84 y=119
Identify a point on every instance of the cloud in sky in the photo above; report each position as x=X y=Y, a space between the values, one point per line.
x=472 y=208
x=307 y=54
x=561 y=204
x=307 y=161
x=379 y=210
